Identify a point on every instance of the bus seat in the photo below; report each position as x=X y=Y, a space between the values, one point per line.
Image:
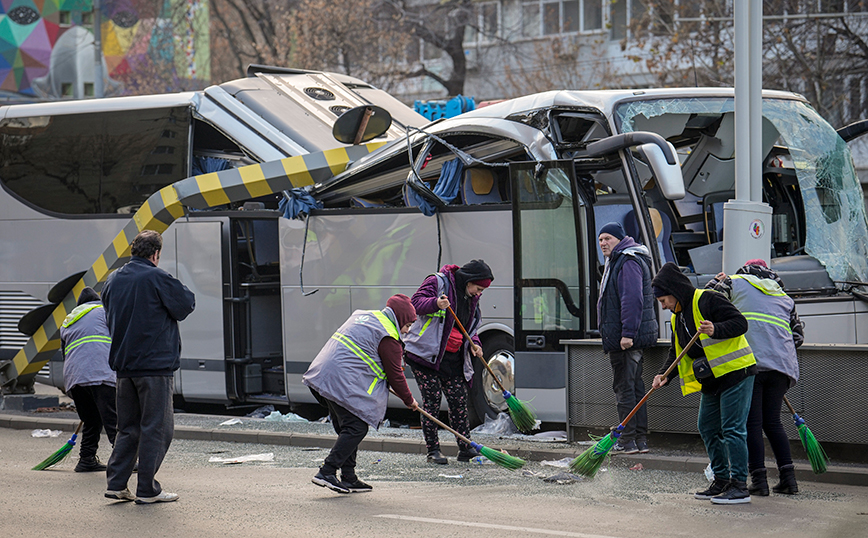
x=662 y=232
x=479 y=187
x=712 y=209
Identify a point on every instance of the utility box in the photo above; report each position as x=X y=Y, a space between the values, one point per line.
x=252 y=378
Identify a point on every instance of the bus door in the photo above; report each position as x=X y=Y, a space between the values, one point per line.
x=193 y=252
x=551 y=279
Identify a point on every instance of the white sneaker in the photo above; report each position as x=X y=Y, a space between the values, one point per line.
x=163 y=497
x=123 y=495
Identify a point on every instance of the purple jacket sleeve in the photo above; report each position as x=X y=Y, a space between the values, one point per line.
x=630 y=286
x=425 y=298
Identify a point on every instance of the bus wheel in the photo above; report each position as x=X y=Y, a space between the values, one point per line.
x=486 y=398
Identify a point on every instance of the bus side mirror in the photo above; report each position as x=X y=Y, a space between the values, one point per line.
x=668 y=176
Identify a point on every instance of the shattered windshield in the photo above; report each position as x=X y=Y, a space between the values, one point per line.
x=835 y=220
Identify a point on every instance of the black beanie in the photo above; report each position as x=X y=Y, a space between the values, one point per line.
x=88 y=295
x=614 y=229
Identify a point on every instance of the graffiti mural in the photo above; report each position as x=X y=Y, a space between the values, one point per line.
x=148 y=46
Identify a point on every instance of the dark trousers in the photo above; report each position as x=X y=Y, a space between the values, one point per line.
x=765 y=416
x=351 y=430
x=629 y=389
x=145 y=428
x=95 y=405
x=431 y=385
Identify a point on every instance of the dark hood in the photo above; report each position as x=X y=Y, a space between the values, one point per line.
x=672 y=281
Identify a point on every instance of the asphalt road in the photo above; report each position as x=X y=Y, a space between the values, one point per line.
x=410 y=498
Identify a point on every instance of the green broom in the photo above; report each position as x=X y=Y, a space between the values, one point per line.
x=61 y=453
x=588 y=462
x=504 y=460
x=520 y=412
x=816 y=455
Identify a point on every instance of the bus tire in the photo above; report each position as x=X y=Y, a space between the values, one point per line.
x=478 y=406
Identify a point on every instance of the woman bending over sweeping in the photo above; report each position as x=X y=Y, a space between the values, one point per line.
x=438 y=354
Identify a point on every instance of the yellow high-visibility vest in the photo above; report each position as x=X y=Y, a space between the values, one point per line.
x=724 y=356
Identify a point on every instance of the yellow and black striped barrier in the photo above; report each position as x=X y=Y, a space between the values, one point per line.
x=158 y=213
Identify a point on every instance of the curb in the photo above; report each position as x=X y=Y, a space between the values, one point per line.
x=836 y=474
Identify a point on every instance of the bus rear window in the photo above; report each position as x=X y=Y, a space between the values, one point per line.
x=96 y=163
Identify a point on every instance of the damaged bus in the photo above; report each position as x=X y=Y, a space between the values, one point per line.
x=524 y=184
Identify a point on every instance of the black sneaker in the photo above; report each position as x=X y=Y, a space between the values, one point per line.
x=627 y=448
x=467 y=455
x=717 y=487
x=736 y=494
x=89 y=464
x=435 y=456
x=355 y=485
x=642 y=445
x=329 y=481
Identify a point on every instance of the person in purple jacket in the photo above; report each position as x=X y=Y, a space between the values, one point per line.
x=437 y=352
x=627 y=316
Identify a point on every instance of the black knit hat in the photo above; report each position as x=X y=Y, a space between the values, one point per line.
x=88 y=295
x=614 y=229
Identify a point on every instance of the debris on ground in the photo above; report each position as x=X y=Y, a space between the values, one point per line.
x=276 y=416
x=65 y=406
x=241 y=459
x=451 y=475
x=262 y=412
x=46 y=433
x=563 y=478
x=564 y=462
x=637 y=467
x=231 y=421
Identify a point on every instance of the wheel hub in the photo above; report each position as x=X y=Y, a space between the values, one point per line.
x=502 y=364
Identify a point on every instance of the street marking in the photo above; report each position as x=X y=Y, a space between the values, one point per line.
x=493 y=526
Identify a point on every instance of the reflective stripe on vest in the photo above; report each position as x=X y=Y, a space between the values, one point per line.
x=724 y=356
x=86 y=339
x=358 y=352
x=437 y=314
x=78 y=313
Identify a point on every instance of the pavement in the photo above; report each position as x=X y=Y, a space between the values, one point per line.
x=664 y=456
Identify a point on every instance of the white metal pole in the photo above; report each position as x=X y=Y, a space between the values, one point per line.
x=746 y=219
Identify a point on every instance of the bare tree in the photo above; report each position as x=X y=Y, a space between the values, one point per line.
x=348 y=37
x=249 y=31
x=823 y=56
x=441 y=25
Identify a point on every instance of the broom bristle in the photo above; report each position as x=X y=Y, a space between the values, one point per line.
x=55 y=458
x=816 y=455
x=522 y=415
x=588 y=462
x=504 y=460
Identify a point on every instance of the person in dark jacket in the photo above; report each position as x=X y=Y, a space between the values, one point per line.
x=774 y=335
x=439 y=355
x=627 y=314
x=721 y=366
x=89 y=381
x=143 y=307
x=352 y=375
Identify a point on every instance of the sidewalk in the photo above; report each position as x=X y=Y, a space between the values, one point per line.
x=409 y=441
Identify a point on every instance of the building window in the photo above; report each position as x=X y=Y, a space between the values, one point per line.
x=554 y=17
x=622 y=13
x=64 y=18
x=88 y=89
x=67 y=90
x=87 y=18
x=484 y=23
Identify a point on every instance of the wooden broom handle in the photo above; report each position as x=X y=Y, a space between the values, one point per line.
x=427 y=415
x=786 y=401
x=464 y=332
x=665 y=374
